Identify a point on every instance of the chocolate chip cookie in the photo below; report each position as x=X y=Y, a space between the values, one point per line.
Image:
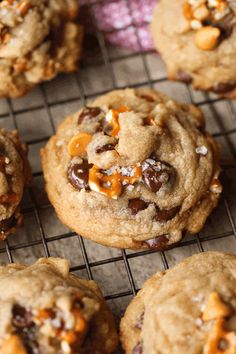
x=38 y=40
x=134 y=169
x=188 y=309
x=197 y=41
x=45 y=309
x=15 y=173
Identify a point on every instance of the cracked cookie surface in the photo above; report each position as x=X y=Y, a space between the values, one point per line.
x=45 y=309
x=196 y=39
x=134 y=169
x=38 y=40
x=15 y=173
x=188 y=309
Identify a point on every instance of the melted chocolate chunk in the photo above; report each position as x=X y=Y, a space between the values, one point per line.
x=184 y=77
x=165 y=214
x=89 y=113
x=107 y=147
x=158 y=243
x=2 y=150
x=7 y=224
x=21 y=317
x=78 y=175
x=154 y=178
x=225 y=25
x=223 y=87
x=135 y=205
x=138 y=349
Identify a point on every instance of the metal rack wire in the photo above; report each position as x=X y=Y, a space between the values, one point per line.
x=35 y=207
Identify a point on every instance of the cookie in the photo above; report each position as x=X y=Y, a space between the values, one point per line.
x=134 y=169
x=197 y=41
x=15 y=173
x=38 y=40
x=45 y=309
x=188 y=309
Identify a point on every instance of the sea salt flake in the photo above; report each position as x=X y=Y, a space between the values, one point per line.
x=127 y=171
x=202 y=150
x=7 y=160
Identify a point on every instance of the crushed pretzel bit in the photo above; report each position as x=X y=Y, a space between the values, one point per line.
x=110 y=184
x=56 y=323
x=112 y=118
x=220 y=340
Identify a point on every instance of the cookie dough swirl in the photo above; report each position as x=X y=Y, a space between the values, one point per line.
x=45 y=309
x=134 y=169
x=14 y=174
x=190 y=308
x=38 y=39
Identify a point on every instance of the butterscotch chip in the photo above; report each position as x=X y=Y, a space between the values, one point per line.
x=207 y=37
x=38 y=40
x=171 y=305
x=120 y=179
x=48 y=310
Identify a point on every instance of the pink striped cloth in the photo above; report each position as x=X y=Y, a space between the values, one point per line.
x=126 y=20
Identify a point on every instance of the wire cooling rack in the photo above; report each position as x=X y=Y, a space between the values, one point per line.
x=120 y=273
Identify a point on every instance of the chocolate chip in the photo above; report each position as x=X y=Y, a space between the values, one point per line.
x=78 y=175
x=89 y=113
x=104 y=148
x=138 y=349
x=223 y=87
x=158 y=243
x=147 y=98
x=135 y=205
x=7 y=224
x=165 y=214
x=225 y=25
x=154 y=176
x=21 y=318
x=184 y=77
